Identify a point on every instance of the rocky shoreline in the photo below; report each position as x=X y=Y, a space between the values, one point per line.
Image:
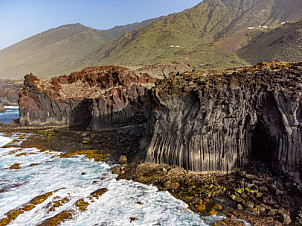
x=255 y=194
x=198 y=120
x=225 y=142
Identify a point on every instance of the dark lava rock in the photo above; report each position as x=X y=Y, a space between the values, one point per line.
x=201 y=121
x=12 y=124
x=116 y=170
x=228 y=118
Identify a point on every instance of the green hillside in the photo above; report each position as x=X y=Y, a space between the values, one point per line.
x=57 y=50
x=212 y=35
x=208 y=35
x=283 y=43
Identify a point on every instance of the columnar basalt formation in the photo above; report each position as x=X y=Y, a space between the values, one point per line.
x=208 y=121
x=96 y=97
x=216 y=121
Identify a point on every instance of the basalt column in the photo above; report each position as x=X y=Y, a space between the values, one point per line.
x=223 y=120
x=203 y=130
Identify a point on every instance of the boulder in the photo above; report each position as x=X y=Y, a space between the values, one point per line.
x=116 y=170
x=123 y=160
x=171 y=185
x=285 y=217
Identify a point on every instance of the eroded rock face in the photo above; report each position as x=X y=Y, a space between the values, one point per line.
x=9 y=90
x=96 y=97
x=222 y=120
x=202 y=121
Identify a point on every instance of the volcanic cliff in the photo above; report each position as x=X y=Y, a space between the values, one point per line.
x=96 y=97
x=209 y=121
x=219 y=120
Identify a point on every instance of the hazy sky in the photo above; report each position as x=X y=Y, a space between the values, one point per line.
x=20 y=19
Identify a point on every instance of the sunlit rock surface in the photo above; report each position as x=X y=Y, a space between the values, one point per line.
x=96 y=97
x=209 y=121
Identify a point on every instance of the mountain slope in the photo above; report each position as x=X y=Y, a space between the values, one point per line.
x=211 y=35
x=198 y=34
x=117 y=31
x=49 y=52
x=55 y=51
x=283 y=43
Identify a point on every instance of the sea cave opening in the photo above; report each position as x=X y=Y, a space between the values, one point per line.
x=262 y=144
x=81 y=115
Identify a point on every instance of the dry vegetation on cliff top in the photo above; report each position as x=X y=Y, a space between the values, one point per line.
x=271 y=74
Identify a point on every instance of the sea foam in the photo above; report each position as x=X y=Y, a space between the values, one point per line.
x=80 y=176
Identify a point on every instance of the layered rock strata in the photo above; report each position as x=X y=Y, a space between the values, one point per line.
x=96 y=97
x=217 y=121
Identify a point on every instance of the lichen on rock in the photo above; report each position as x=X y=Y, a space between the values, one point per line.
x=199 y=120
x=217 y=121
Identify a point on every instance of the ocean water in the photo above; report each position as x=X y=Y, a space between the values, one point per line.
x=12 y=113
x=80 y=176
x=73 y=179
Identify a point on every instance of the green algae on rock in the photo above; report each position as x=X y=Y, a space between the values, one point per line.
x=13 y=214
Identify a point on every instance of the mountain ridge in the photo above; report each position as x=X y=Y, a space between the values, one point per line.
x=211 y=35
x=197 y=32
x=56 y=50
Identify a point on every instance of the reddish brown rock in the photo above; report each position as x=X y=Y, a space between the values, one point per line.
x=96 y=97
x=202 y=121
